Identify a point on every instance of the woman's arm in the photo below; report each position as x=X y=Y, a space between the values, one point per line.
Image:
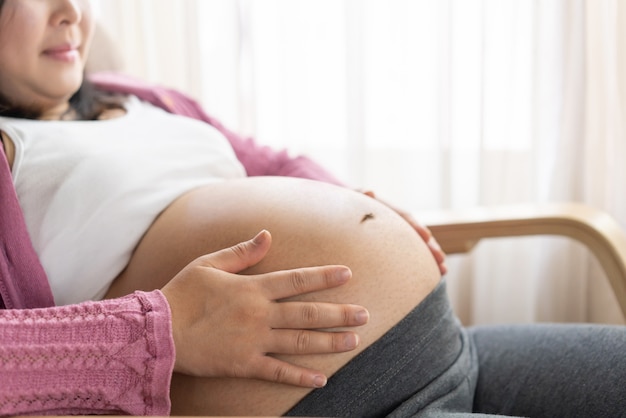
x=117 y=356
x=23 y=282
x=109 y=357
x=249 y=317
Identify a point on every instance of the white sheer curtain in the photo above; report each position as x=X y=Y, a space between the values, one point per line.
x=430 y=103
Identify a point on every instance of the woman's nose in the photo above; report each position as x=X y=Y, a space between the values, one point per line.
x=66 y=12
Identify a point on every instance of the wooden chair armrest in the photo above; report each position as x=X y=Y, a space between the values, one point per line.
x=459 y=231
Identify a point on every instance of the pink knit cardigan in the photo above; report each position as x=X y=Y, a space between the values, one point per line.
x=108 y=357
x=104 y=357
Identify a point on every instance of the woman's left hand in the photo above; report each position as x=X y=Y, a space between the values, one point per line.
x=422 y=230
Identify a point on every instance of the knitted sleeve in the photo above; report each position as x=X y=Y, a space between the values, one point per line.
x=107 y=357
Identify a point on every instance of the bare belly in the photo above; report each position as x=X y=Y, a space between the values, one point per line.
x=311 y=224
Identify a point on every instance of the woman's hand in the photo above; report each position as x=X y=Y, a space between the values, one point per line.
x=224 y=324
x=422 y=230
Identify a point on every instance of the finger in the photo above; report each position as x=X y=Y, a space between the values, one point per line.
x=443 y=269
x=274 y=370
x=312 y=315
x=369 y=193
x=439 y=254
x=435 y=248
x=311 y=342
x=241 y=256
x=287 y=283
x=422 y=230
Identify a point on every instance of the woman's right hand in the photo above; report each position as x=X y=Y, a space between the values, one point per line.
x=225 y=324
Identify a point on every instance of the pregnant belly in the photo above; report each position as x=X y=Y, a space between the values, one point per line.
x=311 y=224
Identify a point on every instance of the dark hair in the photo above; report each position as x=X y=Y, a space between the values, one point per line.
x=88 y=103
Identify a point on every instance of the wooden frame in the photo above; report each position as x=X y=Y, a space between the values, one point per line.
x=459 y=232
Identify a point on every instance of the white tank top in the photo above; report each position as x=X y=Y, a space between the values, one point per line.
x=89 y=190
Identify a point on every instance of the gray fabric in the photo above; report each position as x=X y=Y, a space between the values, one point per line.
x=427 y=353
x=429 y=366
x=551 y=370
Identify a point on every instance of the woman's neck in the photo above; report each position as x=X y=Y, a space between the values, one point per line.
x=60 y=112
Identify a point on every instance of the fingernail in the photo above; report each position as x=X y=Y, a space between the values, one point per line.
x=344 y=275
x=362 y=317
x=319 y=381
x=432 y=243
x=260 y=237
x=351 y=341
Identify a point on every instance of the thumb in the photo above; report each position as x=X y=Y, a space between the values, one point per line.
x=240 y=256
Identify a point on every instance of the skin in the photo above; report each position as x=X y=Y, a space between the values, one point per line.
x=41 y=79
x=46 y=83
x=202 y=285
x=43 y=49
x=253 y=318
x=318 y=224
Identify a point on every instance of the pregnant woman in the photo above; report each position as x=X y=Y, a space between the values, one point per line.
x=120 y=196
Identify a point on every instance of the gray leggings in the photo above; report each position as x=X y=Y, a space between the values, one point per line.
x=430 y=366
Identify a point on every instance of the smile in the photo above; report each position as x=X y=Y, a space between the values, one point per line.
x=64 y=53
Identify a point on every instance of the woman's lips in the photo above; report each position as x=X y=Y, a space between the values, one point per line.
x=63 y=53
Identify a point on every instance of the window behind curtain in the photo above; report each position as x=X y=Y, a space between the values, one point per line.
x=431 y=104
